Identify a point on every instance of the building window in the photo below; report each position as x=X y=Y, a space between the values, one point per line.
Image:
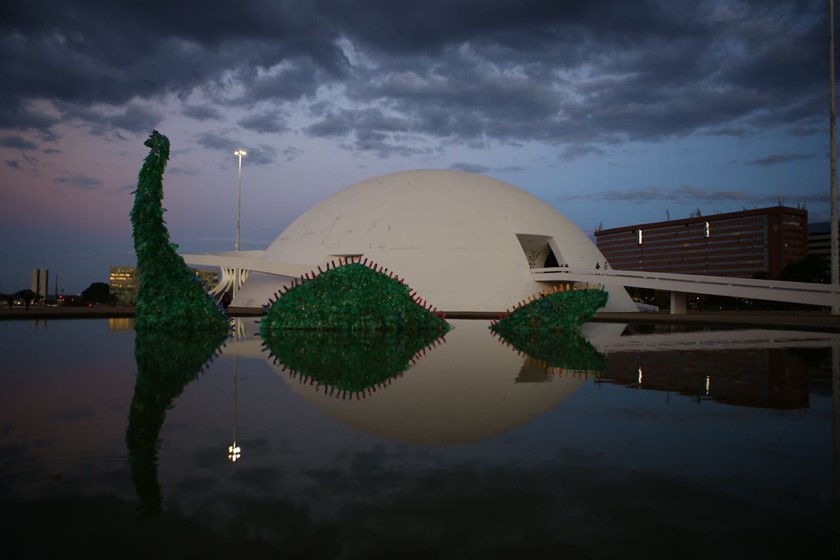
x=640 y=237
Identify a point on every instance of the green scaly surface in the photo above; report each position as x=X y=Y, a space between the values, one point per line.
x=556 y=312
x=351 y=298
x=170 y=297
x=345 y=361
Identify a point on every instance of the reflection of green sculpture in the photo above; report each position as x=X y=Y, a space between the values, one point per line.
x=170 y=295
x=166 y=363
x=351 y=298
x=564 y=350
x=346 y=363
x=562 y=311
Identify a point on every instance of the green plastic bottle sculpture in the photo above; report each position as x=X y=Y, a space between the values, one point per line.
x=166 y=363
x=562 y=311
x=170 y=297
x=351 y=297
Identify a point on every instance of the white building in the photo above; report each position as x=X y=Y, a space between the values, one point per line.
x=463 y=242
x=40 y=282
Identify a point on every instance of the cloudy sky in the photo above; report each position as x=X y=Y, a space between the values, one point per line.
x=614 y=112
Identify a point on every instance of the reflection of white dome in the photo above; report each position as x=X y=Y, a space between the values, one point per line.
x=470 y=388
x=463 y=241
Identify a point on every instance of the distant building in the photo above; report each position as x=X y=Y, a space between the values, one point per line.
x=124 y=282
x=738 y=244
x=819 y=240
x=819 y=243
x=40 y=282
x=209 y=277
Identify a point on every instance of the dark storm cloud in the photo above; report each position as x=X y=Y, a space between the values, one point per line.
x=478 y=168
x=289 y=81
x=15 y=114
x=482 y=169
x=291 y=152
x=580 y=150
x=132 y=118
x=469 y=167
x=217 y=141
x=775 y=159
x=342 y=122
x=600 y=74
x=262 y=154
x=386 y=145
x=31 y=160
x=202 y=112
x=381 y=73
x=175 y=170
x=79 y=181
x=684 y=193
x=94 y=51
x=17 y=142
x=692 y=194
x=371 y=130
x=268 y=121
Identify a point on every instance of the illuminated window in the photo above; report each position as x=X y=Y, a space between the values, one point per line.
x=640 y=237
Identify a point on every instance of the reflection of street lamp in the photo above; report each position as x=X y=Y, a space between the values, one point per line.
x=239 y=153
x=234 y=451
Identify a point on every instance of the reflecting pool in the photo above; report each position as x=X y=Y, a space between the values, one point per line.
x=628 y=443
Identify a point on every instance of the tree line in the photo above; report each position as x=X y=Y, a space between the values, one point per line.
x=96 y=293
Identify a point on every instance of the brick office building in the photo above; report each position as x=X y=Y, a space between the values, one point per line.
x=738 y=244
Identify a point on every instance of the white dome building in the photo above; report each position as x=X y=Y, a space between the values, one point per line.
x=464 y=242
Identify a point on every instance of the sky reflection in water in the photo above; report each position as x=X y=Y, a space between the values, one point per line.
x=475 y=450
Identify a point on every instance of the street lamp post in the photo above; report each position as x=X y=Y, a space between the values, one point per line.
x=832 y=121
x=239 y=153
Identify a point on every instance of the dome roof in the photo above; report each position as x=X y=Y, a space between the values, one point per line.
x=464 y=242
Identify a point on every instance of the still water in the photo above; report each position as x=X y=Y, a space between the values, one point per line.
x=699 y=444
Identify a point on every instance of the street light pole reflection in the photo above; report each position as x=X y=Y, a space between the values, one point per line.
x=239 y=332
x=234 y=451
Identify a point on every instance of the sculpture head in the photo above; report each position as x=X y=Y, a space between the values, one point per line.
x=158 y=143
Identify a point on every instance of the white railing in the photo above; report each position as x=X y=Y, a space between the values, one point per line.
x=772 y=290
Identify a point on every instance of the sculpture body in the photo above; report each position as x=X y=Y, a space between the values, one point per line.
x=170 y=297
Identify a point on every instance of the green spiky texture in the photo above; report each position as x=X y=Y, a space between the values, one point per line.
x=352 y=298
x=563 y=311
x=566 y=350
x=170 y=296
x=347 y=364
x=166 y=363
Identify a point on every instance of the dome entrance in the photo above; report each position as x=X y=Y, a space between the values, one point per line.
x=538 y=250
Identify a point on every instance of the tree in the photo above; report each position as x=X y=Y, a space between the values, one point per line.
x=811 y=268
x=98 y=292
x=28 y=296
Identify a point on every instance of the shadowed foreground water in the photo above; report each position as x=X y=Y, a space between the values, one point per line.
x=678 y=445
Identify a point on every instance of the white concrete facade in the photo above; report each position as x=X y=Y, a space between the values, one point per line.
x=464 y=242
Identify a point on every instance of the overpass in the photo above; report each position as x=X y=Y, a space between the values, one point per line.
x=236 y=266
x=679 y=285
